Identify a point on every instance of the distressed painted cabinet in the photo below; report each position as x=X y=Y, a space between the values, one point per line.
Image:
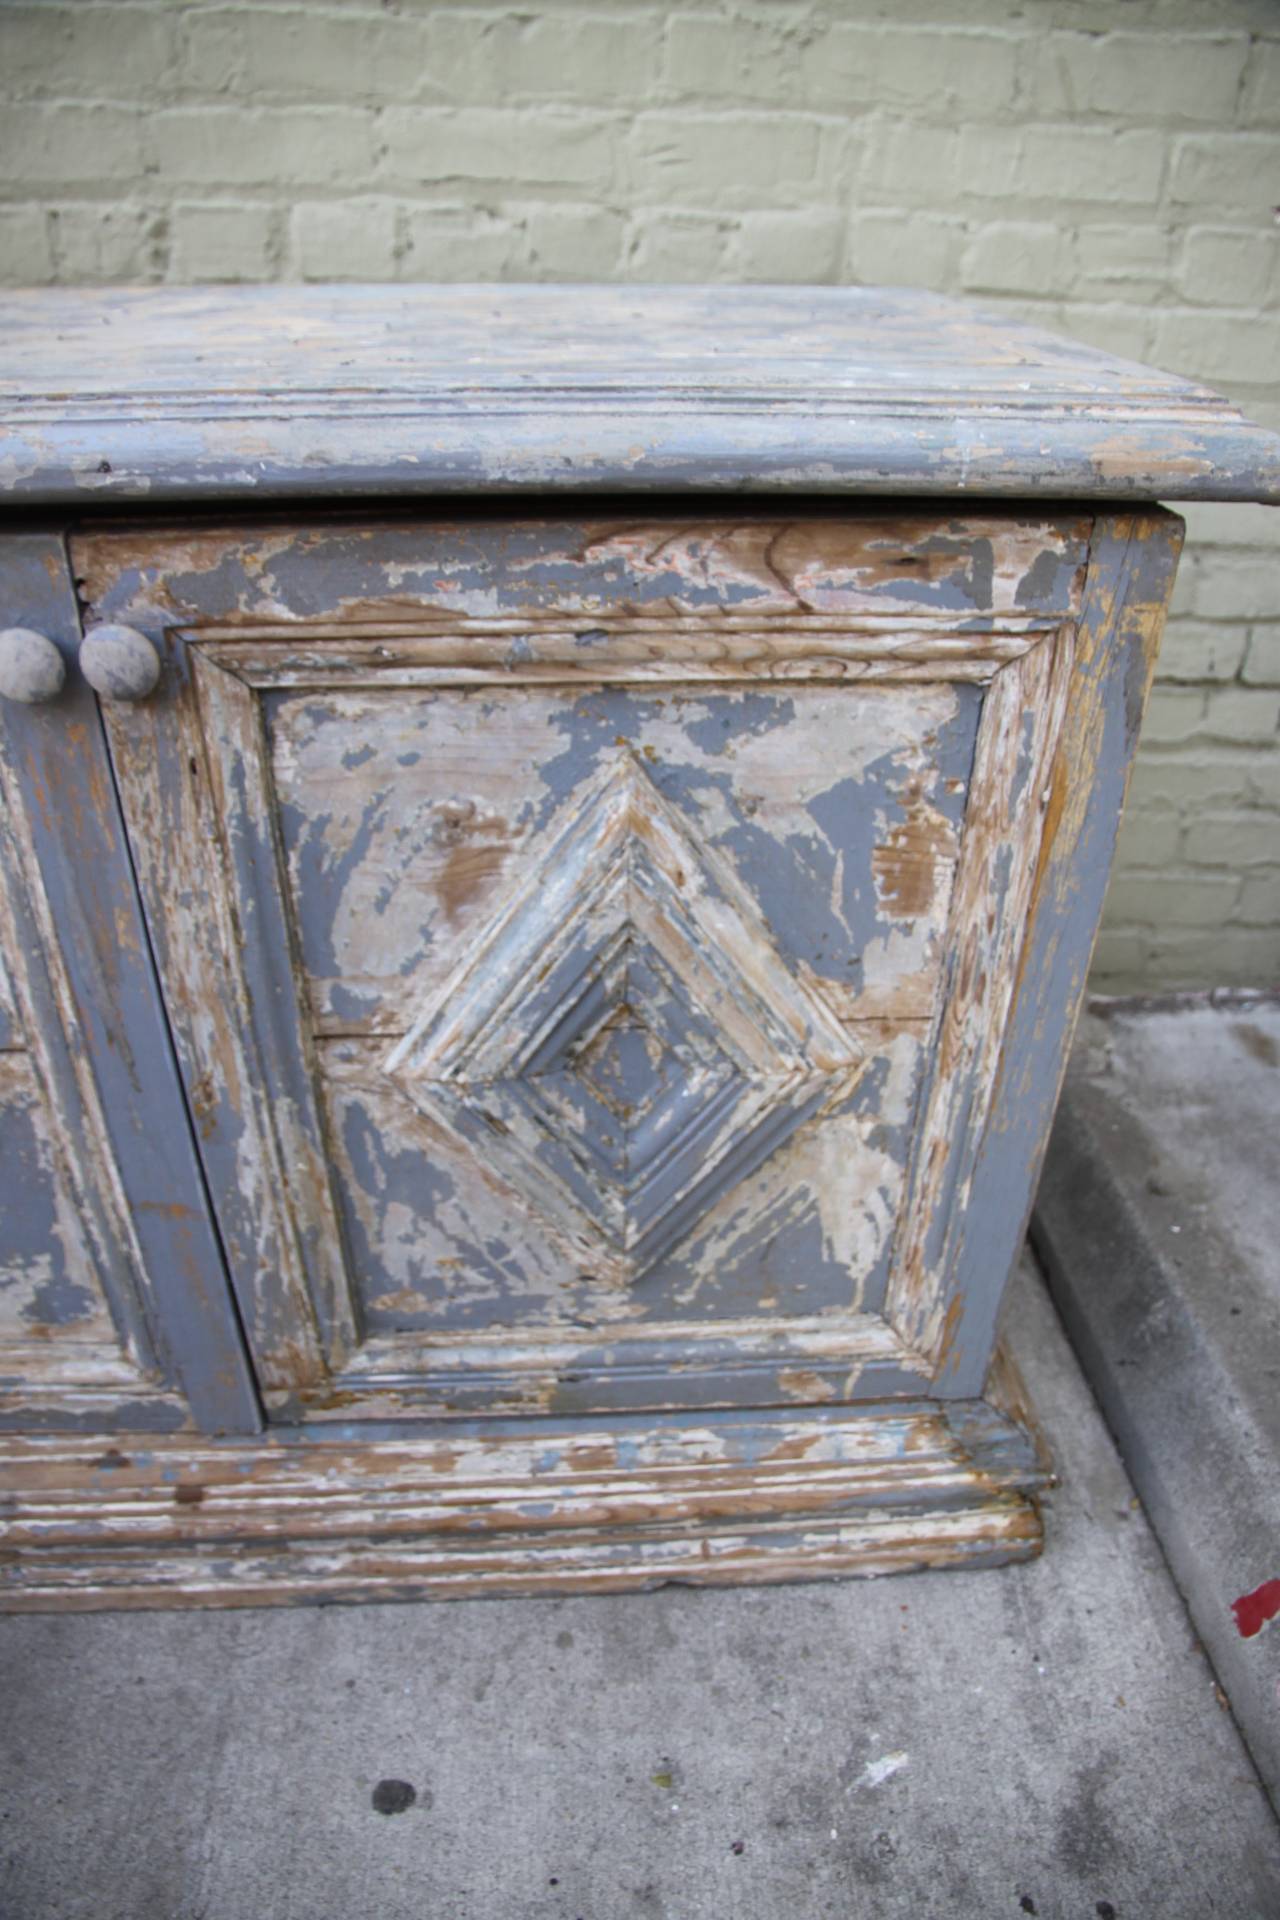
x=534 y=990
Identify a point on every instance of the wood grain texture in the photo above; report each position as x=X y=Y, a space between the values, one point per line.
x=332 y=792
x=411 y=830
x=1131 y=571
x=1021 y=726
x=799 y=572
x=197 y=812
x=104 y=1160
x=733 y=1499
x=168 y=394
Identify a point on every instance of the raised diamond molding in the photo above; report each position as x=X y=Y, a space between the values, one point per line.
x=623 y=1044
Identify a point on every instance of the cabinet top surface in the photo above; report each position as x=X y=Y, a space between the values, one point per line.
x=348 y=392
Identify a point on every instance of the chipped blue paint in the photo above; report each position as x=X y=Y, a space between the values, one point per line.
x=1047 y=581
x=729 y=717
x=1131 y=572
x=167 y=1299
x=127 y=394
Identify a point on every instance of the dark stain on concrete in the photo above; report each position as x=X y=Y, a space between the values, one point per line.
x=393 y=1796
x=1262 y=1046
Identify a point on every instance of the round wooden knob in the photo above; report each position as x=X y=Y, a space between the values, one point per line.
x=119 y=663
x=31 y=667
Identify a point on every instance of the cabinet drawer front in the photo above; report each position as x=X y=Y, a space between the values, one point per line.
x=589 y=946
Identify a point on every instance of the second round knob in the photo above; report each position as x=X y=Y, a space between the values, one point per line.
x=119 y=663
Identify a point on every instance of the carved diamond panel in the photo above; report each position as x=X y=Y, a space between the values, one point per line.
x=624 y=1044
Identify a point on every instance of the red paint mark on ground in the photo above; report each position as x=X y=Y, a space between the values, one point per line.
x=1253 y=1610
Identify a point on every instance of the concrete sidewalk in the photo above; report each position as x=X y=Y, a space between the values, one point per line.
x=1158 y=1218
x=1040 y=1739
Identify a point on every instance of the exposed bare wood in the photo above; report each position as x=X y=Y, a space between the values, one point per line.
x=741 y=1498
x=72 y=1326
x=705 y=574
x=178 y=839
x=1010 y=800
x=530 y=655
x=419 y=683
x=182 y=393
x=1134 y=556
x=113 y=1305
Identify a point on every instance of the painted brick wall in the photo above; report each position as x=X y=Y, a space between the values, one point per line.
x=1110 y=170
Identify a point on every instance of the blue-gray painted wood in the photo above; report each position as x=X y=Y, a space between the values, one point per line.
x=328 y=392
x=386 y=760
x=177 y=1310
x=119 y=664
x=1131 y=571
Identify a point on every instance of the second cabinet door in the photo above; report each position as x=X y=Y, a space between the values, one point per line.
x=588 y=945
x=114 y=1314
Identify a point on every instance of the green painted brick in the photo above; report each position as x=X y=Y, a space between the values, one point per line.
x=726 y=57
x=948 y=72
x=1119 y=959
x=275 y=148
x=1224 y=956
x=1148 y=838
x=1262 y=656
x=496 y=147
x=1219 y=778
x=227 y=241
x=48 y=147
x=1232 y=840
x=573 y=242
x=683 y=246
x=1229 y=584
x=1222 y=347
x=1174 y=899
x=1228 y=266
x=87 y=53
x=1111 y=176
x=1231 y=170
x=1259 y=902
x=1174 y=715
x=905 y=162
x=1246 y=716
x=1193 y=76
x=98 y=244
x=608 y=56
x=1195 y=650
x=1123 y=261
x=773 y=246
x=724 y=160
x=1019 y=256
x=25 y=255
x=1261 y=87
x=913 y=250
x=1038 y=162
x=456 y=243
x=346 y=240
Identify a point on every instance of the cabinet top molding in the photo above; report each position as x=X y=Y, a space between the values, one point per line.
x=192 y=393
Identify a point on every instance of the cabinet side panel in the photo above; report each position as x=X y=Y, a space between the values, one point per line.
x=1130 y=579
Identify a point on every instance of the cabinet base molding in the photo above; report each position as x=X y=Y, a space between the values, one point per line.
x=725 y=1499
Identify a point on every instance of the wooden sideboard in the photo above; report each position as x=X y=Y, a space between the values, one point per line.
x=552 y=842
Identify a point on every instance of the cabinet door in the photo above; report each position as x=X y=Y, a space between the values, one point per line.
x=114 y=1307
x=590 y=946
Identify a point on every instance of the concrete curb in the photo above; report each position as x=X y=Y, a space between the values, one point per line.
x=1148 y=1279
